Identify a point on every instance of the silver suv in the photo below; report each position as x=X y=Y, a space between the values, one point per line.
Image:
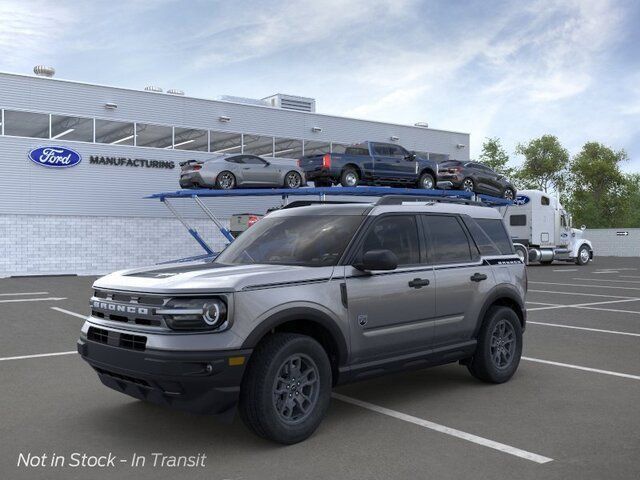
x=309 y=298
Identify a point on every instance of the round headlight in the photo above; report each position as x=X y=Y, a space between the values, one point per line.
x=214 y=313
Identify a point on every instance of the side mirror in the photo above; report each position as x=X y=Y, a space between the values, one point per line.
x=411 y=157
x=378 y=260
x=267 y=163
x=583 y=228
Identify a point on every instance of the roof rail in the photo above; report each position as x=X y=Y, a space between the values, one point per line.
x=400 y=199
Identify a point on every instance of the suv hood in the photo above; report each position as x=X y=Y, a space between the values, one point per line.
x=207 y=277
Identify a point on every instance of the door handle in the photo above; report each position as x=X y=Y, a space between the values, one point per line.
x=418 y=283
x=478 y=277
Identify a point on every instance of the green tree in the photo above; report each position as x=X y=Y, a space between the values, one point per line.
x=632 y=218
x=600 y=193
x=495 y=157
x=545 y=164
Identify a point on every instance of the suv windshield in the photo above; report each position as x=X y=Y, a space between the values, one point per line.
x=312 y=241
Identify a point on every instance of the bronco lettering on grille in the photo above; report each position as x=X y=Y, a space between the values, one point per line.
x=114 y=307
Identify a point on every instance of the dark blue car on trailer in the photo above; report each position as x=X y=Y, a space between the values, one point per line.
x=371 y=163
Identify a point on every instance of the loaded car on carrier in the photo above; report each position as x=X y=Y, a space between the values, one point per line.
x=309 y=298
x=371 y=163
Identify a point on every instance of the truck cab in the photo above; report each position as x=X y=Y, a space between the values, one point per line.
x=542 y=230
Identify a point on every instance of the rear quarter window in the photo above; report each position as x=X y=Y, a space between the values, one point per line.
x=495 y=230
x=518 y=220
x=356 y=151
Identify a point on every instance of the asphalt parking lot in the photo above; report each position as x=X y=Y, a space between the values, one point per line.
x=571 y=411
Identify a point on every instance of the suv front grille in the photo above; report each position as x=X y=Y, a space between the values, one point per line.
x=131 y=308
x=117 y=339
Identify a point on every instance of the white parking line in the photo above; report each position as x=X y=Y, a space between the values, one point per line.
x=48 y=299
x=73 y=314
x=583 y=294
x=629 y=276
x=485 y=442
x=598 y=330
x=23 y=357
x=23 y=293
x=585 y=305
x=566 y=270
x=579 y=367
x=590 y=286
x=546 y=304
x=610 y=310
x=607 y=280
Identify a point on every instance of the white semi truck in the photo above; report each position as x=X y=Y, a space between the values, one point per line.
x=541 y=230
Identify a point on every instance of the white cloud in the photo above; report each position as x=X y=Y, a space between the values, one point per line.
x=30 y=31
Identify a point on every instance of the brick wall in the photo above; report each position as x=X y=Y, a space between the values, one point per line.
x=607 y=242
x=47 y=245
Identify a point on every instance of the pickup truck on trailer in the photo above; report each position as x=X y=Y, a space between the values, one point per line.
x=371 y=163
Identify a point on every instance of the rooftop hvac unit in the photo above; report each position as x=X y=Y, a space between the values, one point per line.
x=153 y=88
x=44 y=71
x=175 y=91
x=291 y=102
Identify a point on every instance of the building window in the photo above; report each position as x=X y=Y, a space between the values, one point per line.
x=223 y=142
x=287 y=148
x=114 y=133
x=157 y=136
x=258 y=145
x=26 y=124
x=338 y=147
x=190 y=139
x=71 y=128
x=316 y=148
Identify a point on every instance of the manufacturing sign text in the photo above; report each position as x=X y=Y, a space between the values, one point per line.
x=130 y=162
x=55 y=157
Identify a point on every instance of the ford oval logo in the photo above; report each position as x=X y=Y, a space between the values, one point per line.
x=521 y=200
x=55 y=157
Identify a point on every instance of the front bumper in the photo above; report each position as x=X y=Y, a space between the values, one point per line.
x=197 y=382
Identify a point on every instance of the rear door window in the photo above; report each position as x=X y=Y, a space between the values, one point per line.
x=447 y=239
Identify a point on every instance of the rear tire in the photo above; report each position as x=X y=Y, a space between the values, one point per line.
x=349 y=177
x=499 y=347
x=468 y=185
x=275 y=404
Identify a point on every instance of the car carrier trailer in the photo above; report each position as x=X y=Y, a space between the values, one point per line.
x=408 y=194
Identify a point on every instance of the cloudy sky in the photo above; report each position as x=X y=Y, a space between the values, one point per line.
x=512 y=69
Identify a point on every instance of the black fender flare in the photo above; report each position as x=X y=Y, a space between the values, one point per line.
x=300 y=313
x=495 y=295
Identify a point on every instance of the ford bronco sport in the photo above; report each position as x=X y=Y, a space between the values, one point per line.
x=309 y=298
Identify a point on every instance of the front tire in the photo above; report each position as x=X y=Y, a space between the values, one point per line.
x=583 y=255
x=292 y=180
x=426 y=182
x=225 y=180
x=509 y=194
x=286 y=390
x=499 y=347
x=349 y=177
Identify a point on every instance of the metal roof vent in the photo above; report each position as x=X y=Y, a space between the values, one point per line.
x=292 y=102
x=153 y=88
x=174 y=91
x=44 y=71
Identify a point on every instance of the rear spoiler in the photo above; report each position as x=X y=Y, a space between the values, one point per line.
x=182 y=164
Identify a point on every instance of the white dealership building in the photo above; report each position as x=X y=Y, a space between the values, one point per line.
x=91 y=217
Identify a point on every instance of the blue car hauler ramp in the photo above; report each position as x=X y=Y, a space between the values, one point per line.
x=321 y=193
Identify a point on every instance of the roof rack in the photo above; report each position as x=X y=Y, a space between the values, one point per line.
x=388 y=196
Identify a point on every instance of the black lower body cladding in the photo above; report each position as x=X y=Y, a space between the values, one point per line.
x=197 y=382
